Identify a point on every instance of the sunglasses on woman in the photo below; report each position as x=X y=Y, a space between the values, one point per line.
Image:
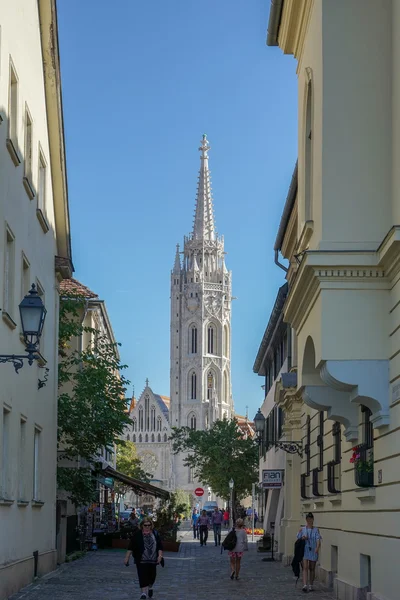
x=146 y=524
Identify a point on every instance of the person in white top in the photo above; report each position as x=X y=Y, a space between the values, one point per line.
x=241 y=546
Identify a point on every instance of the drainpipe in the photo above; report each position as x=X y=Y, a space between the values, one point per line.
x=278 y=264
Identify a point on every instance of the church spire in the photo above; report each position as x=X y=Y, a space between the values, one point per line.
x=204 y=226
x=177 y=264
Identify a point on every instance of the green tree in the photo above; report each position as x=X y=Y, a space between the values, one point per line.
x=180 y=503
x=91 y=403
x=218 y=455
x=130 y=464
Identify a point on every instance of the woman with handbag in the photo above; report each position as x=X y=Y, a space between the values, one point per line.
x=146 y=547
x=236 y=554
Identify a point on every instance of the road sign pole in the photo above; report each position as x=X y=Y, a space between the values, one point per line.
x=253 y=494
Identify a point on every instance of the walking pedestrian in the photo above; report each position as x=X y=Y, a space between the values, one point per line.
x=204 y=525
x=226 y=519
x=255 y=518
x=194 y=523
x=236 y=554
x=216 y=521
x=312 y=538
x=146 y=548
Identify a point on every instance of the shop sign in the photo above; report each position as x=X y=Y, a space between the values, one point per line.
x=272 y=478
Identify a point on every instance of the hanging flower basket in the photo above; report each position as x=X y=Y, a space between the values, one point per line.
x=363 y=461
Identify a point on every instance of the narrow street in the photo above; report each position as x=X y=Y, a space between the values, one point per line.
x=196 y=573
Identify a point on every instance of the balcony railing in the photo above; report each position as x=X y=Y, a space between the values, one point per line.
x=364 y=466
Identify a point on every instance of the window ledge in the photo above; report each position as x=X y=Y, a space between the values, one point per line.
x=13 y=152
x=366 y=494
x=37 y=503
x=42 y=220
x=22 y=503
x=8 y=320
x=306 y=503
x=28 y=187
x=6 y=502
x=335 y=499
x=318 y=500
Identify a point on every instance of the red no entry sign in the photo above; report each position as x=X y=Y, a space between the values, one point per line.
x=199 y=492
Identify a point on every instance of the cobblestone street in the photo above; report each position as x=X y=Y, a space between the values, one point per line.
x=196 y=573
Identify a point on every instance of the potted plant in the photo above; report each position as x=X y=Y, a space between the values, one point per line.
x=363 y=461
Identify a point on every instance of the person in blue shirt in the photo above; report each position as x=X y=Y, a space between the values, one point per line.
x=194 y=523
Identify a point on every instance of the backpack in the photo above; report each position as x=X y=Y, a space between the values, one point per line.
x=230 y=541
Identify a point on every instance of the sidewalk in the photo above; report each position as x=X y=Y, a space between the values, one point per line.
x=195 y=573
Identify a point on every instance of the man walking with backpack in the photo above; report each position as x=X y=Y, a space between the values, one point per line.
x=216 y=521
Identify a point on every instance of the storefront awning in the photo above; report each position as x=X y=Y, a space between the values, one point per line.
x=138 y=486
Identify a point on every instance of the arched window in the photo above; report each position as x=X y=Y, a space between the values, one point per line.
x=192 y=421
x=193 y=339
x=226 y=341
x=152 y=437
x=128 y=438
x=146 y=437
x=226 y=388
x=308 y=149
x=134 y=424
x=159 y=437
x=193 y=386
x=147 y=413
x=153 y=418
x=210 y=384
x=165 y=437
x=141 y=418
x=140 y=438
x=211 y=339
x=158 y=423
x=134 y=438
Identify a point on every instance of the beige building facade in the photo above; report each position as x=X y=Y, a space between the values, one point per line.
x=34 y=248
x=339 y=232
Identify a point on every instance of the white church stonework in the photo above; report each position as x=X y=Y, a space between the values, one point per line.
x=200 y=325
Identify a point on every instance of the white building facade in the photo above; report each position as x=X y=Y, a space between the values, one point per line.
x=34 y=249
x=200 y=325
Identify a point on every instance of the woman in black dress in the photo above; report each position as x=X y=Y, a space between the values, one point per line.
x=146 y=549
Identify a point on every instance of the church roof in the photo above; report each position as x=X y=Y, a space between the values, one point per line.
x=163 y=403
x=246 y=427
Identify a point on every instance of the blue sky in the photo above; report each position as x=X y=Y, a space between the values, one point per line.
x=142 y=81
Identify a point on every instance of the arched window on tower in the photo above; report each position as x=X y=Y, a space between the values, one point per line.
x=140 y=438
x=193 y=339
x=153 y=418
x=134 y=438
x=165 y=437
x=308 y=150
x=158 y=423
x=193 y=386
x=210 y=384
x=226 y=341
x=152 y=437
x=146 y=437
x=226 y=388
x=147 y=413
x=128 y=438
x=134 y=424
x=192 y=421
x=211 y=339
x=159 y=437
x=141 y=418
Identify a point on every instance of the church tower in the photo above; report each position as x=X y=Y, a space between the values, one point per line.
x=200 y=324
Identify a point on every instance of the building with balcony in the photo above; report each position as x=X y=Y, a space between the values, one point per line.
x=35 y=249
x=340 y=234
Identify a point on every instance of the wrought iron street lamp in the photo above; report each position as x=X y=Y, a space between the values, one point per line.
x=289 y=447
x=33 y=313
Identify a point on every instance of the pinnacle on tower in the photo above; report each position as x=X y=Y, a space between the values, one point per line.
x=177 y=264
x=204 y=226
